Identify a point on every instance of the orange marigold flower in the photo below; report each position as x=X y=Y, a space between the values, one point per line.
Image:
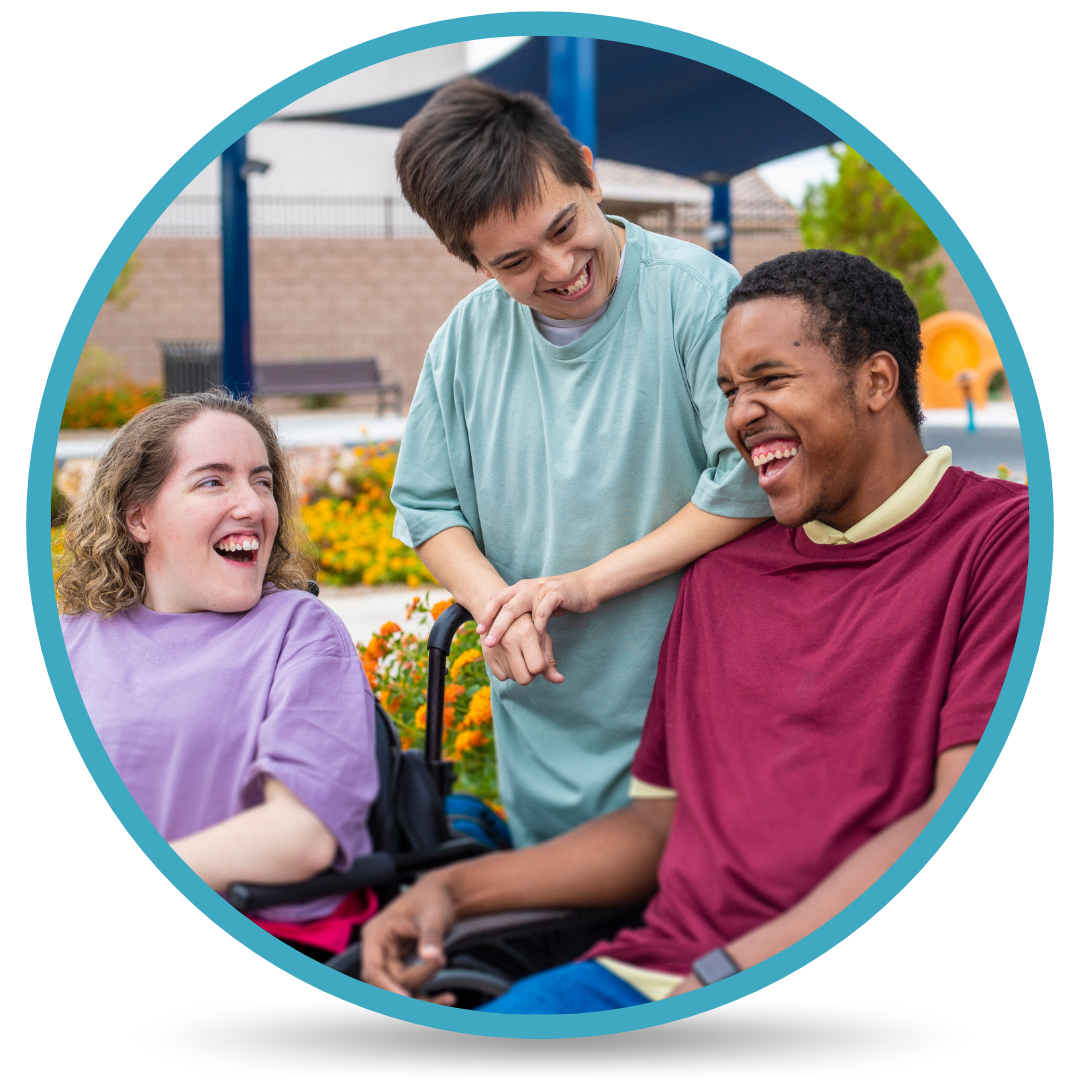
x=440 y=607
x=389 y=628
x=466 y=658
x=469 y=740
x=480 y=707
x=421 y=717
x=453 y=692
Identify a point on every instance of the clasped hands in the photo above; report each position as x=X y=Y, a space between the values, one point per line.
x=513 y=625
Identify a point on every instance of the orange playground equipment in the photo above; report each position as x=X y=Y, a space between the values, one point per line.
x=958 y=354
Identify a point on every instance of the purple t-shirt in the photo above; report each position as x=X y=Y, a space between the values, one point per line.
x=195 y=710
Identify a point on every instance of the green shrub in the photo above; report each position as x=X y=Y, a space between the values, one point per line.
x=107 y=406
x=59 y=505
x=102 y=395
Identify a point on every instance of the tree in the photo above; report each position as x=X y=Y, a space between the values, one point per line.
x=121 y=294
x=862 y=213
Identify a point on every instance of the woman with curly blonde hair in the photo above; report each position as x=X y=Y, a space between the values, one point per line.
x=231 y=701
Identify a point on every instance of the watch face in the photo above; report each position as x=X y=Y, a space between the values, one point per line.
x=714 y=966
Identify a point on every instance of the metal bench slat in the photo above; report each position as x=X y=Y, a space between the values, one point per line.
x=324 y=377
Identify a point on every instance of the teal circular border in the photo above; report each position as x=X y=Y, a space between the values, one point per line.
x=334 y=67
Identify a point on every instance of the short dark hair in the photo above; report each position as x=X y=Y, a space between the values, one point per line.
x=855 y=308
x=473 y=151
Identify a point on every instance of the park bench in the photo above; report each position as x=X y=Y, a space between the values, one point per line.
x=304 y=377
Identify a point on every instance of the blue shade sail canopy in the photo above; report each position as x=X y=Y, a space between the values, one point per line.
x=653 y=108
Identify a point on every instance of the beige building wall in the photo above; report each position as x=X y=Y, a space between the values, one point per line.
x=333 y=298
x=311 y=298
x=750 y=248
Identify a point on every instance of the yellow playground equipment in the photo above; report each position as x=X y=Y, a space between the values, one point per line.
x=959 y=358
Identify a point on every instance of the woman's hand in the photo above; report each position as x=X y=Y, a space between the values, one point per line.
x=541 y=599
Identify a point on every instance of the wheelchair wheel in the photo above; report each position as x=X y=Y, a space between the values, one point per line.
x=347 y=962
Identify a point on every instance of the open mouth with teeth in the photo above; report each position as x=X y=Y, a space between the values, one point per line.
x=773 y=457
x=239 y=547
x=579 y=285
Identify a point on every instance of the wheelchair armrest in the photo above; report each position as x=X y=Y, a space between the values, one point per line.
x=486 y=927
x=369 y=871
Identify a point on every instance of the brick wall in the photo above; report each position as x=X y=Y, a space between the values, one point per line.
x=311 y=298
x=176 y=295
x=750 y=248
x=332 y=298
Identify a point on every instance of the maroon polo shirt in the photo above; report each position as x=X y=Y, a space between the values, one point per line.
x=802 y=697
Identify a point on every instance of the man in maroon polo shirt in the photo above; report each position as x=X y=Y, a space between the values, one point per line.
x=823 y=682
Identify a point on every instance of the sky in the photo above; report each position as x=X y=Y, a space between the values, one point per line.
x=789 y=176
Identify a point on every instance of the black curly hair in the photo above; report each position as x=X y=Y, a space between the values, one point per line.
x=855 y=309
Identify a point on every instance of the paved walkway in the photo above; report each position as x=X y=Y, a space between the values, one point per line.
x=327 y=428
x=314 y=428
x=364 y=608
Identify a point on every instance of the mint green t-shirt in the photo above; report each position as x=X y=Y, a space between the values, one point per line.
x=556 y=455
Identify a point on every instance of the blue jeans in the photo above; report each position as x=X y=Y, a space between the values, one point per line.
x=573 y=988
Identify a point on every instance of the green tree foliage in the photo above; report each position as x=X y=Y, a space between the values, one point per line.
x=862 y=213
x=121 y=294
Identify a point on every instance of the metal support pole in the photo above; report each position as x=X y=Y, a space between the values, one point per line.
x=572 y=86
x=719 y=231
x=235 y=272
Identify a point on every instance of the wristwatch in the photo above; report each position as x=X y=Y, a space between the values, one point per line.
x=714 y=966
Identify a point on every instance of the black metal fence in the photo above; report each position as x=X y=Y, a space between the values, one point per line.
x=199 y=216
x=190 y=366
x=753 y=207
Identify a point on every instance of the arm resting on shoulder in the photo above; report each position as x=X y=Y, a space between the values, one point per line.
x=609 y=861
x=278 y=842
x=678 y=542
x=850 y=879
x=459 y=565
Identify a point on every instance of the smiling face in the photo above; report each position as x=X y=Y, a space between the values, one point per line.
x=805 y=423
x=558 y=256
x=208 y=532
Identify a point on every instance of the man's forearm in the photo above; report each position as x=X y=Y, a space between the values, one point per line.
x=853 y=876
x=678 y=542
x=459 y=566
x=609 y=861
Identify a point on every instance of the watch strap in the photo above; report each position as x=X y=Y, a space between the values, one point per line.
x=714 y=966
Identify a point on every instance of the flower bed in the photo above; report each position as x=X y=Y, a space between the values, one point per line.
x=396 y=666
x=351 y=524
x=107 y=406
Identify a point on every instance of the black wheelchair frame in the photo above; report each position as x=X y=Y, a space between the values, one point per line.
x=410 y=835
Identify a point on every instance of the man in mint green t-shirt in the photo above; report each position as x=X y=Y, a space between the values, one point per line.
x=565 y=451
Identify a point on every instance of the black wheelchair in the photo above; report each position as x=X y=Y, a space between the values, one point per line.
x=411 y=833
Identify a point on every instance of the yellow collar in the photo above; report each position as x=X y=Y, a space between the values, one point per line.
x=901 y=504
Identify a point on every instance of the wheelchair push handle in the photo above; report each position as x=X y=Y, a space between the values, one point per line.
x=439 y=640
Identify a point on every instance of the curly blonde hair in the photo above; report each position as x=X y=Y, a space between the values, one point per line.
x=103 y=562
